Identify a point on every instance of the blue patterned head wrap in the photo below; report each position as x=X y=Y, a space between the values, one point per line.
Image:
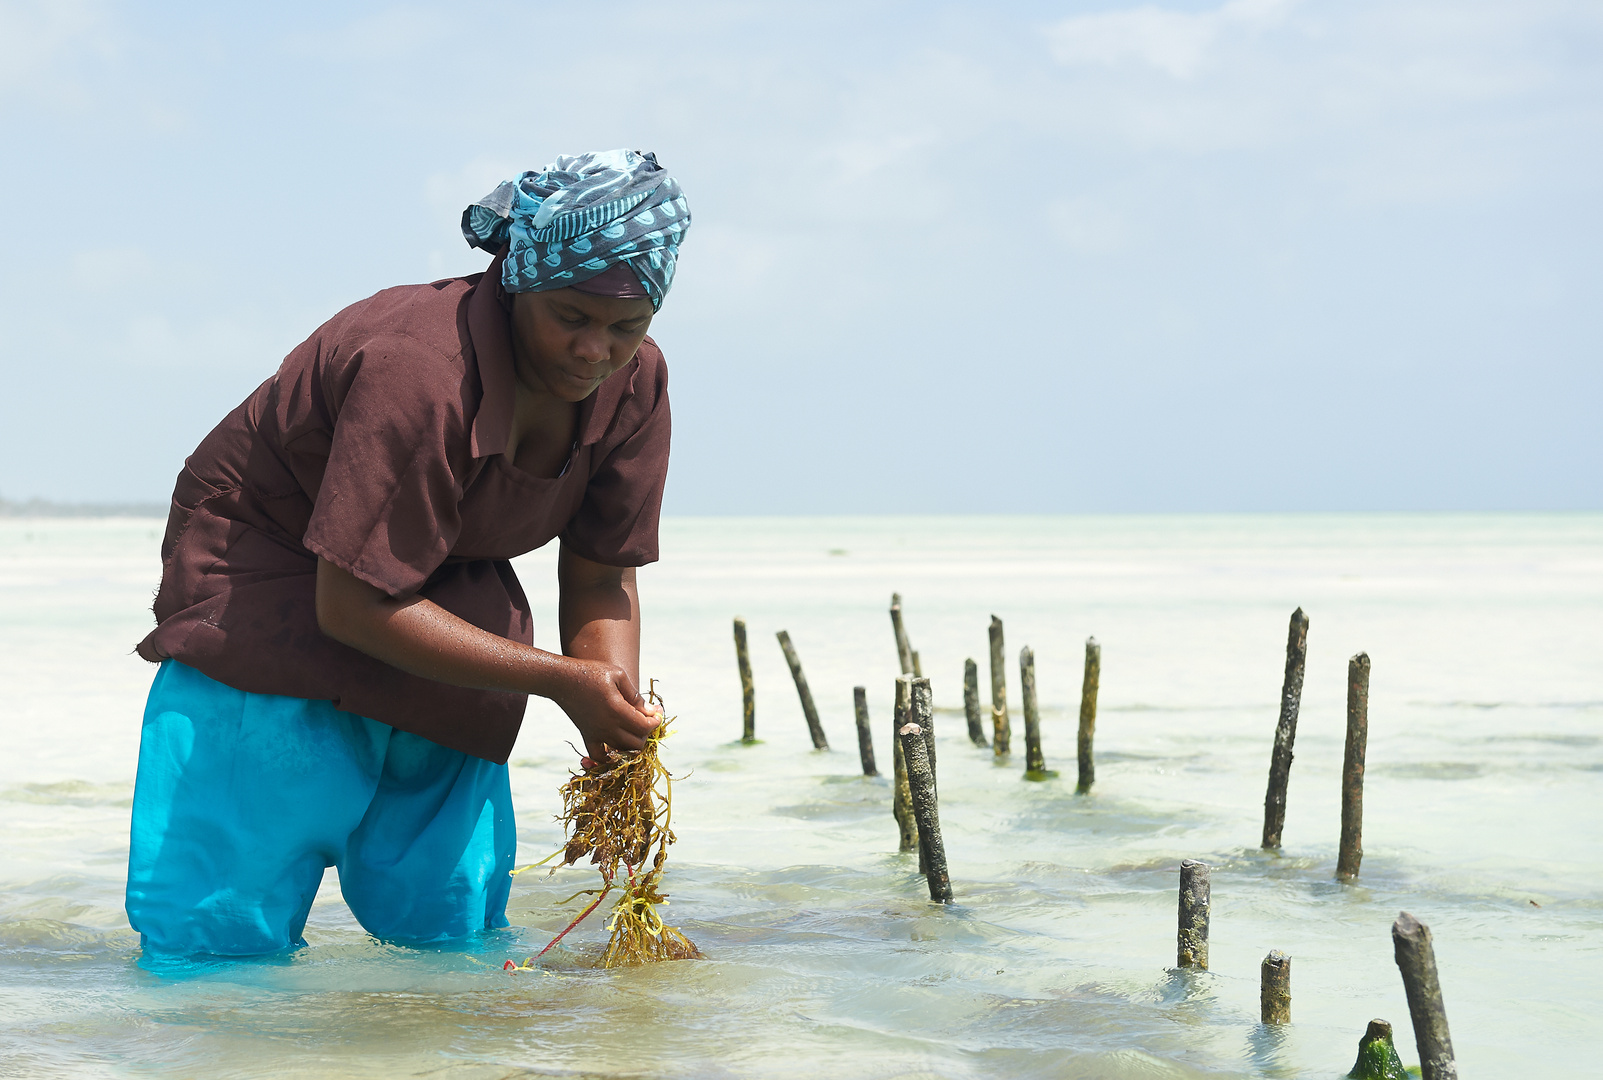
x=581 y=215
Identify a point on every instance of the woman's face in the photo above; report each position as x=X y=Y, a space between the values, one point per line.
x=566 y=342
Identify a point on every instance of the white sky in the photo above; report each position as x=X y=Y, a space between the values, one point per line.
x=1262 y=255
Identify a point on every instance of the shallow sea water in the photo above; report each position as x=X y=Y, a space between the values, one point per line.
x=824 y=958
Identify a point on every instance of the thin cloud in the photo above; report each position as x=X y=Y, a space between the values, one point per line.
x=1177 y=43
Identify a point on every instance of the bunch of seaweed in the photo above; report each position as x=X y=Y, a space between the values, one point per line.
x=616 y=810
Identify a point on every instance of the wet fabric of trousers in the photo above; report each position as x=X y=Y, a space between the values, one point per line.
x=243 y=799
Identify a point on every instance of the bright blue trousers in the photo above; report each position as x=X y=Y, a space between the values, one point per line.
x=243 y=799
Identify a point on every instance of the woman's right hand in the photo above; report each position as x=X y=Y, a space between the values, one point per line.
x=604 y=705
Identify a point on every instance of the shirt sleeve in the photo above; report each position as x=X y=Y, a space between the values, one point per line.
x=388 y=507
x=616 y=524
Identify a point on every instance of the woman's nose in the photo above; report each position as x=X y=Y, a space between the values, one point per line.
x=592 y=348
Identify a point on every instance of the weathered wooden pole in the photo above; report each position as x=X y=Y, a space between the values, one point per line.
x=1351 y=852
x=1274 y=988
x=921 y=686
x=1377 y=1056
x=921 y=779
x=971 y=704
x=904 y=651
x=1034 y=760
x=1088 y=692
x=865 y=737
x=1001 y=732
x=748 y=696
x=901 y=795
x=918 y=669
x=1274 y=803
x=806 y=695
x=1416 y=959
x=921 y=711
x=1192 y=940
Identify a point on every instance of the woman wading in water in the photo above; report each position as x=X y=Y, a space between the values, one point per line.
x=345 y=652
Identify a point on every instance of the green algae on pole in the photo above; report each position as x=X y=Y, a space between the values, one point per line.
x=1351 y=852
x=1416 y=960
x=748 y=696
x=1192 y=940
x=1034 y=760
x=865 y=737
x=1274 y=988
x=971 y=704
x=1001 y=733
x=901 y=794
x=904 y=651
x=921 y=780
x=1088 y=692
x=1377 y=1057
x=806 y=695
x=1274 y=803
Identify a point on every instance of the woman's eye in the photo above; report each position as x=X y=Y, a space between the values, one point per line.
x=572 y=320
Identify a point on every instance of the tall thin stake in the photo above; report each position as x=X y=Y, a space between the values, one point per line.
x=971 y=704
x=1274 y=803
x=1274 y=988
x=748 y=695
x=1351 y=852
x=806 y=695
x=1034 y=761
x=904 y=651
x=1001 y=733
x=901 y=795
x=921 y=711
x=921 y=691
x=1192 y=941
x=1088 y=692
x=918 y=669
x=865 y=737
x=1416 y=959
x=921 y=778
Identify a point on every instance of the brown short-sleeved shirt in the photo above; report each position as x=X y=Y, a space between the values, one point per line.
x=380 y=446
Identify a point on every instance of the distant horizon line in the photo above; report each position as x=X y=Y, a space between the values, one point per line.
x=49 y=508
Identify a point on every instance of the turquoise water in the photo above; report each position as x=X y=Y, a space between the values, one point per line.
x=1484 y=794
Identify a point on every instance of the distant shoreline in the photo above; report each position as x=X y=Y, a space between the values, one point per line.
x=45 y=508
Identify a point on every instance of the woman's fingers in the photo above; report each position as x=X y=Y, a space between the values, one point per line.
x=609 y=712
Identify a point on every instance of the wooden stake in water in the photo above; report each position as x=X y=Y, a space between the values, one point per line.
x=971 y=704
x=922 y=713
x=1001 y=733
x=806 y=695
x=1351 y=852
x=902 y=795
x=904 y=651
x=1274 y=988
x=748 y=695
x=1274 y=803
x=921 y=778
x=918 y=669
x=1377 y=1057
x=1416 y=959
x=1192 y=941
x=1034 y=761
x=865 y=737
x=1088 y=692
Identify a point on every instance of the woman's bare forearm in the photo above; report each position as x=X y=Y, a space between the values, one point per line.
x=598 y=614
x=594 y=688
x=421 y=638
